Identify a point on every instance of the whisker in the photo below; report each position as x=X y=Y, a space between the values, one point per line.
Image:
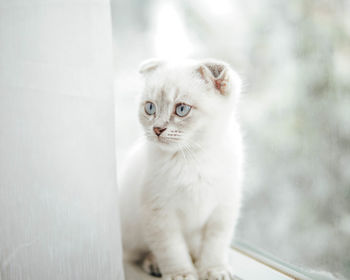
x=183 y=153
x=187 y=149
x=197 y=145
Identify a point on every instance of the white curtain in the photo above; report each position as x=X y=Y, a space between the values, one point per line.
x=58 y=193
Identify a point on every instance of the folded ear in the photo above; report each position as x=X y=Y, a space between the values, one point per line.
x=149 y=65
x=217 y=74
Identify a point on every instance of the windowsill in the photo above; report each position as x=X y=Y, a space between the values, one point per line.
x=246 y=268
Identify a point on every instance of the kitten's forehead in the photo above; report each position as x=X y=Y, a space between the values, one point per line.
x=171 y=84
x=163 y=93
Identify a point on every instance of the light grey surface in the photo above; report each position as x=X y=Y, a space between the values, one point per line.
x=58 y=203
x=245 y=268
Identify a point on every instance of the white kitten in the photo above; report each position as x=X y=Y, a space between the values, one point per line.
x=181 y=189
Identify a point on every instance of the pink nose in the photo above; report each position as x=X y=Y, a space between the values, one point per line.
x=158 y=130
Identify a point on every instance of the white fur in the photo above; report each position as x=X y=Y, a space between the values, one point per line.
x=180 y=194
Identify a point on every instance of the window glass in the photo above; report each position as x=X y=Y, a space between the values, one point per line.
x=293 y=57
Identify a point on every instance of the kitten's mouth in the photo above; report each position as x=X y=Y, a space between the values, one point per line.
x=163 y=141
x=166 y=144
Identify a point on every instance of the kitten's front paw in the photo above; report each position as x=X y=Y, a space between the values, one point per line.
x=150 y=265
x=180 y=276
x=217 y=273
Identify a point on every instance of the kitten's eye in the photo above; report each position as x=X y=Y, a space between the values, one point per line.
x=150 y=108
x=182 y=110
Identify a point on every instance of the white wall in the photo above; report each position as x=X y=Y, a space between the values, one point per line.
x=58 y=195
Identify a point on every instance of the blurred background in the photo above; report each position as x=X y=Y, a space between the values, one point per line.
x=294 y=59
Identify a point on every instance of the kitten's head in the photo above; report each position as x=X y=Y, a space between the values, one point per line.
x=186 y=103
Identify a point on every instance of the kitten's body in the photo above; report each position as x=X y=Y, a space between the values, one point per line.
x=180 y=200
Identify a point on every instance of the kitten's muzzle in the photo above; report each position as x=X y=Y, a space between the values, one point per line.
x=159 y=130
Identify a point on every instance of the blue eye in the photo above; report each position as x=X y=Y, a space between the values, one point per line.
x=150 y=108
x=182 y=109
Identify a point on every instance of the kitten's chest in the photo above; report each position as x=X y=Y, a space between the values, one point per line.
x=205 y=171
x=191 y=189
x=193 y=206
